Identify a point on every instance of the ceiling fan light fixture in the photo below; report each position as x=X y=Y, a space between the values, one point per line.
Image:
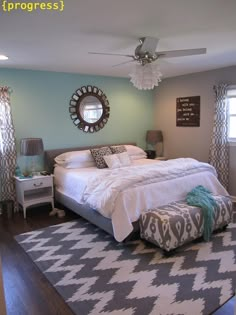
x=145 y=77
x=3 y=57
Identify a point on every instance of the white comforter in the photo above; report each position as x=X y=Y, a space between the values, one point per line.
x=105 y=192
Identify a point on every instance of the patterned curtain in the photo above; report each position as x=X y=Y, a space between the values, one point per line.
x=219 y=149
x=7 y=148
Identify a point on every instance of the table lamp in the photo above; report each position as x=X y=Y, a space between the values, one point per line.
x=31 y=147
x=153 y=137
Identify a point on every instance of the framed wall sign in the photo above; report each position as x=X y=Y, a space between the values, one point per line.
x=188 y=111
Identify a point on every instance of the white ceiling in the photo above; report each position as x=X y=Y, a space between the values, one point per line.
x=60 y=41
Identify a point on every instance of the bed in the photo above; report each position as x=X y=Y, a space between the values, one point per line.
x=113 y=199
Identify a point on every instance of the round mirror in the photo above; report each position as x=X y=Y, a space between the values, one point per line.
x=89 y=109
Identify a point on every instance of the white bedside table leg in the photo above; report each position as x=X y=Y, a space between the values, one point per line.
x=24 y=211
x=52 y=203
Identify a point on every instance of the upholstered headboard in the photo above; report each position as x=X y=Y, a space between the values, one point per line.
x=49 y=155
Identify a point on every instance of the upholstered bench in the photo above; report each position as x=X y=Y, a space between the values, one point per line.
x=178 y=223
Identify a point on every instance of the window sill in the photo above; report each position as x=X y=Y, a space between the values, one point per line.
x=232 y=142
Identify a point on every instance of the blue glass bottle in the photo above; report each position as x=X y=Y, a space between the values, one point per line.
x=18 y=171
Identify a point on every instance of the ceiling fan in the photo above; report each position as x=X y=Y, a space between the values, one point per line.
x=146 y=52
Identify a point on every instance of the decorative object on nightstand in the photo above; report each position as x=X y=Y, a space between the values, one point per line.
x=18 y=171
x=60 y=213
x=35 y=190
x=154 y=137
x=31 y=147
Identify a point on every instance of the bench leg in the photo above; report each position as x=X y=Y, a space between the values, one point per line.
x=168 y=253
x=221 y=229
x=224 y=227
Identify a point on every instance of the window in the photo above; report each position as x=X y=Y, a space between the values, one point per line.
x=232 y=114
x=92 y=113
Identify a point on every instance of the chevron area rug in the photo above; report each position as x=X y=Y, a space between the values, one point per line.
x=96 y=275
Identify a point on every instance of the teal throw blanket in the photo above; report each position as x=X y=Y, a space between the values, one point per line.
x=202 y=197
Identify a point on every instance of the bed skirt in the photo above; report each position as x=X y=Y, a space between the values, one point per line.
x=92 y=215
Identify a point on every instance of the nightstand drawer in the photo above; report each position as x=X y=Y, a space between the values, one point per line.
x=36 y=183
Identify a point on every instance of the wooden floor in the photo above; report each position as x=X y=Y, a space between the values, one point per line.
x=27 y=291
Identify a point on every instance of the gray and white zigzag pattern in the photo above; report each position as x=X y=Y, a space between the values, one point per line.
x=95 y=275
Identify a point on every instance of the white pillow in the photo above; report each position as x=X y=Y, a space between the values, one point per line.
x=138 y=157
x=124 y=159
x=112 y=161
x=117 y=160
x=134 y=150
x=75 y=159
x=84 y=155
x=77 y=164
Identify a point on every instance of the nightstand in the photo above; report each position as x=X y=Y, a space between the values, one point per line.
x=35 y=190
x=161 y=158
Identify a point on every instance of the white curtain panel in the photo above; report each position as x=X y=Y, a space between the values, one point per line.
x=7 y=148
x=219 y=149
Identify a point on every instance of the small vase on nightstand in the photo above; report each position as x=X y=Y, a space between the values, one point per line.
x=17 y=171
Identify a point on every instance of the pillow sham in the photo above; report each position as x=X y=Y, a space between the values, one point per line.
x=118 y=149
x=124 y=159
x=138 y=156
x=117 y=160
x=98 y=155
x=77 y=164
x=134 y=150
x=112 y=161
x=80 y=156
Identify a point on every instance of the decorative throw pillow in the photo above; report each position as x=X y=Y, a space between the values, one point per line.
x=117 y=160
x=118 y=149
x=124 y=159
x=98 y=155
x=112 y=161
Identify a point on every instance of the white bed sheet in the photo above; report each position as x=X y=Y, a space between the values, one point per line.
x=132 y=201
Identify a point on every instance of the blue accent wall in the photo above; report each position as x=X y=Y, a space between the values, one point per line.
x=40 y=108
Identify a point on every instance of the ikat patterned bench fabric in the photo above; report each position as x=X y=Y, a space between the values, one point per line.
x=178 y=223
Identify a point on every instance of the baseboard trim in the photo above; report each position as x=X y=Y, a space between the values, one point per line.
x=233 y=198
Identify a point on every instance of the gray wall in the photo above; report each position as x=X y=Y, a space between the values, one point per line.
x=192 y=141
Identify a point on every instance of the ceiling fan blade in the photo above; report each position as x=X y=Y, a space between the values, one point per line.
x=123 y=63
x=108 y=54
x=180 y=53
x=148 y=44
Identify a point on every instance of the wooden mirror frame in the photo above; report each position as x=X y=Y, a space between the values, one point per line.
x=74 y=108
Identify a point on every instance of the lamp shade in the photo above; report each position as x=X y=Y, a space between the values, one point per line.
x=31 y=146
x=154 y=136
